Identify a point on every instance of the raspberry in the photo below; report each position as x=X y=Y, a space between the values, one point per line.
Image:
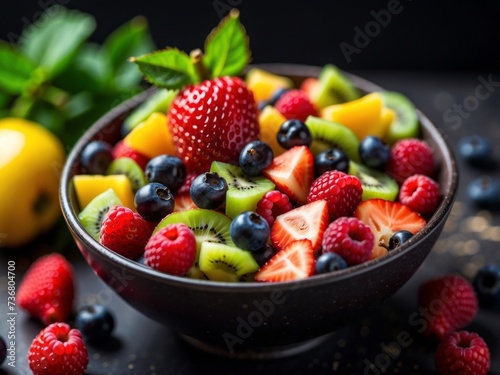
x=172 y=250
x=341 y=191
x=122 y=150
x=295 y=104
x=350 y=238
x=187 y=183
x=408 y=157
x=448 y=302
x=273 y=204
x=58 y=350
x=462 y=353
x=125 y=231
x=420 y=193
x=47 y=289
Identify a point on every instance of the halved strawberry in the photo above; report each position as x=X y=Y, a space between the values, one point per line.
x=305 y=222
x=386 y=217
x=293 y=172
x=294 y=262
x=183 y=202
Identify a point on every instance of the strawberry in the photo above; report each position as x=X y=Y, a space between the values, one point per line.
x=386 y=217
x=293 y=172
x=213 y=120
x=341 y=191
x=122 y=150
x=295 y=104
x=305 y=222
x=125 y=231
x=171 y=250
x=294 y=262
x=58 y=350
x=309 y=85
x=47 y=289
x=183 y=202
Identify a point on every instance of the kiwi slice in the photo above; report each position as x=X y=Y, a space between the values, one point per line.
x=207 y=225
x=158 y=102
x=334 y=87
x=375 y=184
x=129 y=168
x=92 y=215
x=225 y=263
x=405 y=125
x=244 y=192
x=328 y=134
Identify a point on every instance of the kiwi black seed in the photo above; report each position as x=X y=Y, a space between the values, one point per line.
x=328 y=134
x=405 y=125
x=92 y=215
x=375 y=184
x=225 y=263
x=129 y=168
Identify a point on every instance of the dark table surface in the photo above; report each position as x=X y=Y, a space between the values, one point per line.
x=471 y=239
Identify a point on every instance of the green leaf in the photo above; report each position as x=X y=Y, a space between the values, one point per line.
x=169 y=68
x=53 y=41
x=227 y=50
x=15 y=70
x=4 y=99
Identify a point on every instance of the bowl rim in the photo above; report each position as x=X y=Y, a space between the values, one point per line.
x=448 y=162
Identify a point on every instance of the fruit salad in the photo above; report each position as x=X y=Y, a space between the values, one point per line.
x=233 y=174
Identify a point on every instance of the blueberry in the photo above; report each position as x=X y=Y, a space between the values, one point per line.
x=255 y=157
x=167 y=170
x=329 y=160
x=154 y=201
x=486 y=283
x=208 y=190
x=96 y=157
x=263 y=104
x=374 y=153
x=95 y=322
x=476 y=150
x=292 y=133
x=264 y=254
x=249 y=231
x=3 y=350
x=399 y=238
x=485 y=192
x=329 y=262
x=277 y=95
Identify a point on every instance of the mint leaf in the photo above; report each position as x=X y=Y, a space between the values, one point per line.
x=227 y=49
x=15 y=70
x=53 y=41
x=169 y=68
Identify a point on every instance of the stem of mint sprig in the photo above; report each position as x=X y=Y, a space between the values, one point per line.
x=226 y=53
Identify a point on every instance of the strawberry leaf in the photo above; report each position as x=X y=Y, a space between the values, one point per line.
x=169 y=68
x=227 y=49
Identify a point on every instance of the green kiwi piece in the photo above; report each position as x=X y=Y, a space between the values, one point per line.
x=225 y=263
x=328 y=134
x=158 y=102
x=405 y=125
x=244 y=192
x=207 y=225
x=195 y=273
x=334 y=87
x=92 y=215
x=375 y=184
x=129 y=168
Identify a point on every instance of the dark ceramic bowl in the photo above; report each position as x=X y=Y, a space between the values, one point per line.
x=256 y=319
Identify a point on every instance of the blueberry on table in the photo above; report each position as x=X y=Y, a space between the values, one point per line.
x=208 y=190
x=485 y=192
x=486 y=283
x=154 y=201
x=329 y=262
x=255 y=157
x=96 y=157
x=167 y=170
x=95 y=322
x=292 y=133
x=476 y=150
x=330 y=160
x=399 y=238
x=249 y=231
x=374 y=152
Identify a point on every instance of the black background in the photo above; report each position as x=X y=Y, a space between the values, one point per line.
x=443 y=36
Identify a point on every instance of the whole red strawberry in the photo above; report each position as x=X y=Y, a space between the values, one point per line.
x=448 y=303
x=462 y=353
x=341 y=191
x=125 y=231
x=409 y=157
x=47 y=289
x=295 y=104
x=213 y=120
x=58 y=350
x=121 y=149
x=172 y=249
